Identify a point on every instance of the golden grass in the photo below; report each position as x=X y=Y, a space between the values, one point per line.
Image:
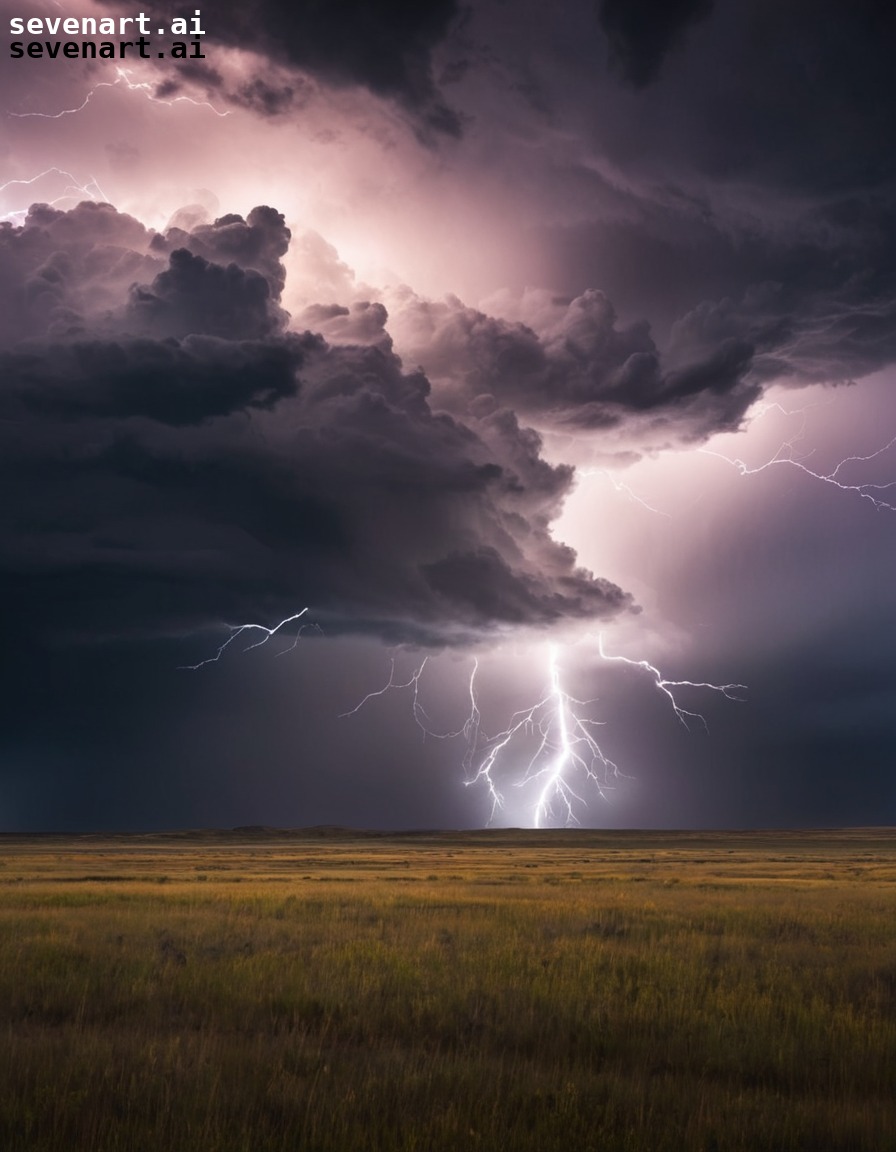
x=504 y=990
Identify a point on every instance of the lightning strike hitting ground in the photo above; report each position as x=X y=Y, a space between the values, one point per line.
x=566 y=747
x=557 y=725
x=554 y=737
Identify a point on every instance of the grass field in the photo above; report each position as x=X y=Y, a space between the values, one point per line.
x=518 y=991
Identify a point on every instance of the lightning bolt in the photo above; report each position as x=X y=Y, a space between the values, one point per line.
x=557 y=722
x=562 y=729
x=729 y=691
x=417 y=708
x=91 y=190
x=555 y=736
x=122 y=78
x=565 y=747
x=237 y=630
x=788 y=455
x=621 y=488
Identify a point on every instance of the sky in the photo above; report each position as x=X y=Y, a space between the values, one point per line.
x=532 y=364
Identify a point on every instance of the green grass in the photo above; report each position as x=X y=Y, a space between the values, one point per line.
x=513 y=991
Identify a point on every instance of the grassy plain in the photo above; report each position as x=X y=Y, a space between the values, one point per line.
x=336 y=992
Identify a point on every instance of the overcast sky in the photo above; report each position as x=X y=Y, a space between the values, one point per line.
x=498 y=340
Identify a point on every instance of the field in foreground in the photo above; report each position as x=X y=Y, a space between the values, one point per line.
x=336 y=992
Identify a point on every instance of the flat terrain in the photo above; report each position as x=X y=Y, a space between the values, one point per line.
x=334 y=991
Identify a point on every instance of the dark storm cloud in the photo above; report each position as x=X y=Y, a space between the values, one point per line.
x=641 y=32
x=257 y=243
x=797 y=95
x=814 y=296
x=193 y=295
x=747 y=188
x=824 y=312
x=279 y=92
x=174 y=453
x=173 y=382
x=86 y=269
x=804 y=92
x=580 y=369
x=383 y=45
x=181 y=458
x=259 y=95
x=65 y=264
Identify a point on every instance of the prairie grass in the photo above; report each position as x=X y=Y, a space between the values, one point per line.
x=517 y=991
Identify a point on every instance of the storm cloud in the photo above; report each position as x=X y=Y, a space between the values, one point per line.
x=574 y=367
x=183 y=458
x=640 y=33
x=526 y=261
x=385 y=46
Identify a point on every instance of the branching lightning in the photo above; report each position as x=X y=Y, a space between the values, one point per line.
x=551 y=747
x=237 y=630
x=89 y=190
x=621 y=488
x=729 y=691
x=418 y=711
x=123 y=78
x=558 y=723
x=566 y=747
x=555 y=738
x=789 y=455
